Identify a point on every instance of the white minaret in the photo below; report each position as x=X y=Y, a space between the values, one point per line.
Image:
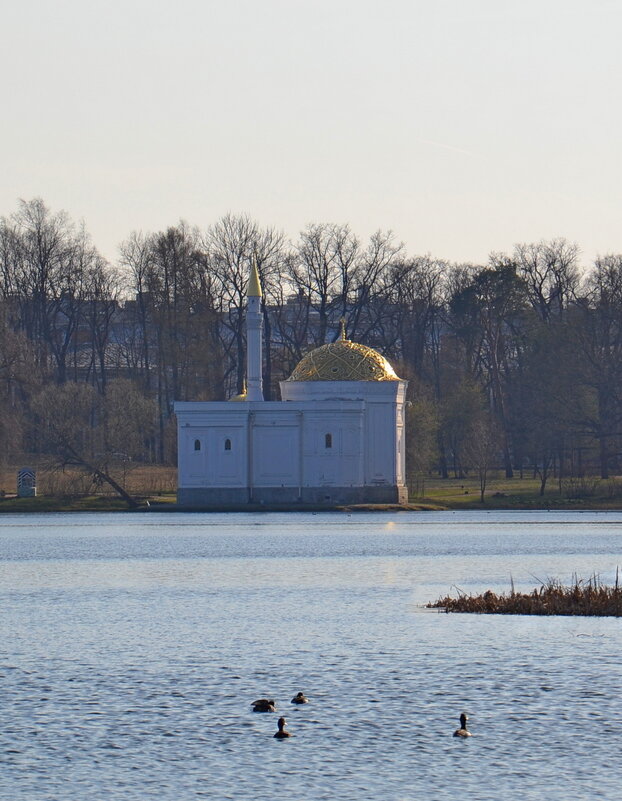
x=254 y=383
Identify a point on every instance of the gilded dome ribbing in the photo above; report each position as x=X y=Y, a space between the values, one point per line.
x=343 y=361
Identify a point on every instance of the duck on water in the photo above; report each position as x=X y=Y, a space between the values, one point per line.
x=462 y=731
x=281 y=734
x=264 y=705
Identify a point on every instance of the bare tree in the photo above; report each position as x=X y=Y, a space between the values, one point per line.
x=231 y=245
x=487 y=318
x=598 y=339
x=44 y=269
x=322 y=271
x=482 y=449
x=19 y=378
x=417 y=302
x=137 y=344
x=100 y=306
x=371 y=297
x=550 y=271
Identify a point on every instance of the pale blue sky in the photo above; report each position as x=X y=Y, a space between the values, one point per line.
x=463 y=125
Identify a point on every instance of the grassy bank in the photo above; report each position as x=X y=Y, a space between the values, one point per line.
x=523 y=493
x=585 y=598
x=84 y=503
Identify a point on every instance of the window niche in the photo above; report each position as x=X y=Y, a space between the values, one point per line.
x=227 y=444
x=328 y=440
x=197 y=444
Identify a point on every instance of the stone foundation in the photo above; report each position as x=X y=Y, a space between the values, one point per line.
x=321 y=496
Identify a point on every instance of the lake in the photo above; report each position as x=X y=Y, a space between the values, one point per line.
x=133 y=644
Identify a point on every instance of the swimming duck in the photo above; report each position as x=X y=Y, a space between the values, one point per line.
x=264 y=705
x=281 y=733
x=462 y=731
x=299 y=698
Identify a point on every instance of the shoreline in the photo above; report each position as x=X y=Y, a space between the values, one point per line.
x=43 y=505
x=49 y=504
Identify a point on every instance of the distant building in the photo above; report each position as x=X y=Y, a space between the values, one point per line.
x=337 y=435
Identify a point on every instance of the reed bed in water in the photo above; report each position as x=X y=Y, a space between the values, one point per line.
x=583 y=597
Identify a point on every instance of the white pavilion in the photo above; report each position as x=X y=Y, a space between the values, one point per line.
x=335 y=437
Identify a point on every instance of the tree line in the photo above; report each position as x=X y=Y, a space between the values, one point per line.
x=516 y=363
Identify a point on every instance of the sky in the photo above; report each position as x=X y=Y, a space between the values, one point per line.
x=464 y=126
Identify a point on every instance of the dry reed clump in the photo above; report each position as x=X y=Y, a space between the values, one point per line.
x=74 y=482
x=588 y=598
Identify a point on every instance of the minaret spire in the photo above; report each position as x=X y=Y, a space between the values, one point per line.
x=254 y=284
x=254 y=322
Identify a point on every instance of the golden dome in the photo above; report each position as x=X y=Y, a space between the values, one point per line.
x=343 y=361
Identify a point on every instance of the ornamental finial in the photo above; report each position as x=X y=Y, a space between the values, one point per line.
x=342 y=331
x=253 y=289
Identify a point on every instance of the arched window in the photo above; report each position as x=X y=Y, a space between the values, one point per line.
x=328 y=440
x=227 y=444
x=197 y=444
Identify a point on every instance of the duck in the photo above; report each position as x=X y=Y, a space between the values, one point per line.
x=462 y=731
x=264 y=705
x=300 y=698
x=281 y=733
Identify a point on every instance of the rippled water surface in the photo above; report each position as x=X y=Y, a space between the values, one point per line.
x=132 y=646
